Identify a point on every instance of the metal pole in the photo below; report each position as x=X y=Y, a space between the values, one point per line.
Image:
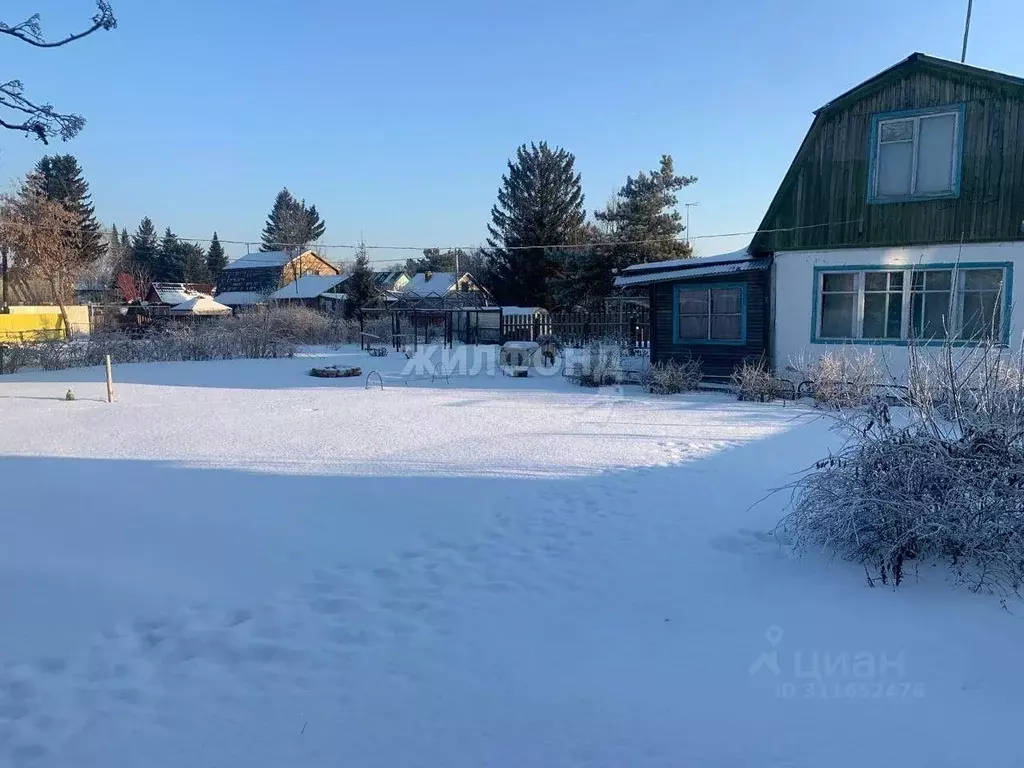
x=967 y=31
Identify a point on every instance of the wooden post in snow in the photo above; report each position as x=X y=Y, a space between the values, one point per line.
x=110 y=382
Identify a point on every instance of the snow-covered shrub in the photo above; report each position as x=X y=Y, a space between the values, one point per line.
x=598 y=366
x=18 y=356
x=844 y=378
x=942 y=479
x=670 y=377
x=756 y=381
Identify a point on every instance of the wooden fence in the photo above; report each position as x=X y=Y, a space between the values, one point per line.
x=577 y=329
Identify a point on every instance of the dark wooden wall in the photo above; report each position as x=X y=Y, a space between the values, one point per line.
x=717 y=359
x=830 y=183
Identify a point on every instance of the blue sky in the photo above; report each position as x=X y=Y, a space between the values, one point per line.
x=397 y=117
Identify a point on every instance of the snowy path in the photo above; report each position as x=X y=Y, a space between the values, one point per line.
x=459 y=576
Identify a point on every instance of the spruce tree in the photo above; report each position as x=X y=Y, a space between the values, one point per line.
x=144 y=249
x=359 y=287
x=539 y=207
x=60 y=178
x=193 y=262
x=216 y=259
x=170 y=261
x=291 y=225
x=125 y=245
x=115 y=255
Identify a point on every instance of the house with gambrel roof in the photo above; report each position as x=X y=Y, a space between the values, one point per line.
x=899 y=221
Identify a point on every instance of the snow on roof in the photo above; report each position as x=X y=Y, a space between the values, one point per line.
x=696 y=261
x=425 y=283
x=336 y=296
x=241 y=298
x=710 y=270
x=200 y=305
x=308 y=287
x=524 y=310
x=174 y=293
x=261 y=259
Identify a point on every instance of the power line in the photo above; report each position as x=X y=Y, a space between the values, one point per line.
x=562 y=247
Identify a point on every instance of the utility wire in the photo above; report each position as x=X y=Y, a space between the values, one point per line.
x=249 y=258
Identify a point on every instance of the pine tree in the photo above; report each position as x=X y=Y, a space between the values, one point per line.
x=216 y=259
x=540 y=205
x=291 y=225
x=194 y=265
x=125 y=245
x=144 y=249
x=359 y=287
x=60 y=179
x=643 y=218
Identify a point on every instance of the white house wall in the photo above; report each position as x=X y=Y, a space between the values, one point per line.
x=795 y=298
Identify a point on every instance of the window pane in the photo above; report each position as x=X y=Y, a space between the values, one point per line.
x=982 y=316
x=693 y=326
x=894 y=323
x=983 y=279
x=876 y=281
x=837 y=316
x=895 y=165
x=874 y=315
x=725 y=301
x=896 y=281
x=935 y=150
x=837 y=281
x=897 y=130
x=938 y=280
x=693 y=302
x=929 y=312
x=725 y=327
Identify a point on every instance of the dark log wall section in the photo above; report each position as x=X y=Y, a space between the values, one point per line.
x=718 y=360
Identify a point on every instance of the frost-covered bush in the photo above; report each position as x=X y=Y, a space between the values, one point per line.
x=844 y=378
x=755 y=381
x=597 y=366
x=670 y=377
x=941 y=479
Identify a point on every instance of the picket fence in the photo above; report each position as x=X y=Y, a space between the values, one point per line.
x=577 y=329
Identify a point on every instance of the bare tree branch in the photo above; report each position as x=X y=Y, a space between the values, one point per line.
x=31 y=32
x=44 y=122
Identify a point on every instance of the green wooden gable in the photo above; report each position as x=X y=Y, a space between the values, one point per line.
x=827 y=199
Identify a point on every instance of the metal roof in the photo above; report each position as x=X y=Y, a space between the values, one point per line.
x=712 y=270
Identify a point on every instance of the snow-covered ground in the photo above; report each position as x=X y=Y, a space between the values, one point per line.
x=239 y=565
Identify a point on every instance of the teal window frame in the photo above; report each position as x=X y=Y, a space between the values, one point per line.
x=959 y=109
x=741 y=341
x=908 y=269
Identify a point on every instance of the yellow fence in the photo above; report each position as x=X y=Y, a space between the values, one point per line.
x=26 y=324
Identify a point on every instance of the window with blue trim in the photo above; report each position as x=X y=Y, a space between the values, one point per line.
x=709 y=314
x=967 y=304
x=916 y=155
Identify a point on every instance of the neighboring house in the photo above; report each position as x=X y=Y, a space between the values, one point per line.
x=172 y=294
x=390 y=280
x=252 y=278
x=94 y=291
x=325 y=293
x=900 y=220
x=440 y=284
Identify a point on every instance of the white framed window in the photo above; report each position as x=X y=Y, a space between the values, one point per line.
x=934 y=303
x=916 y=155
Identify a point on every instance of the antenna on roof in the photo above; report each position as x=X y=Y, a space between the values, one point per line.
x=967 y=31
